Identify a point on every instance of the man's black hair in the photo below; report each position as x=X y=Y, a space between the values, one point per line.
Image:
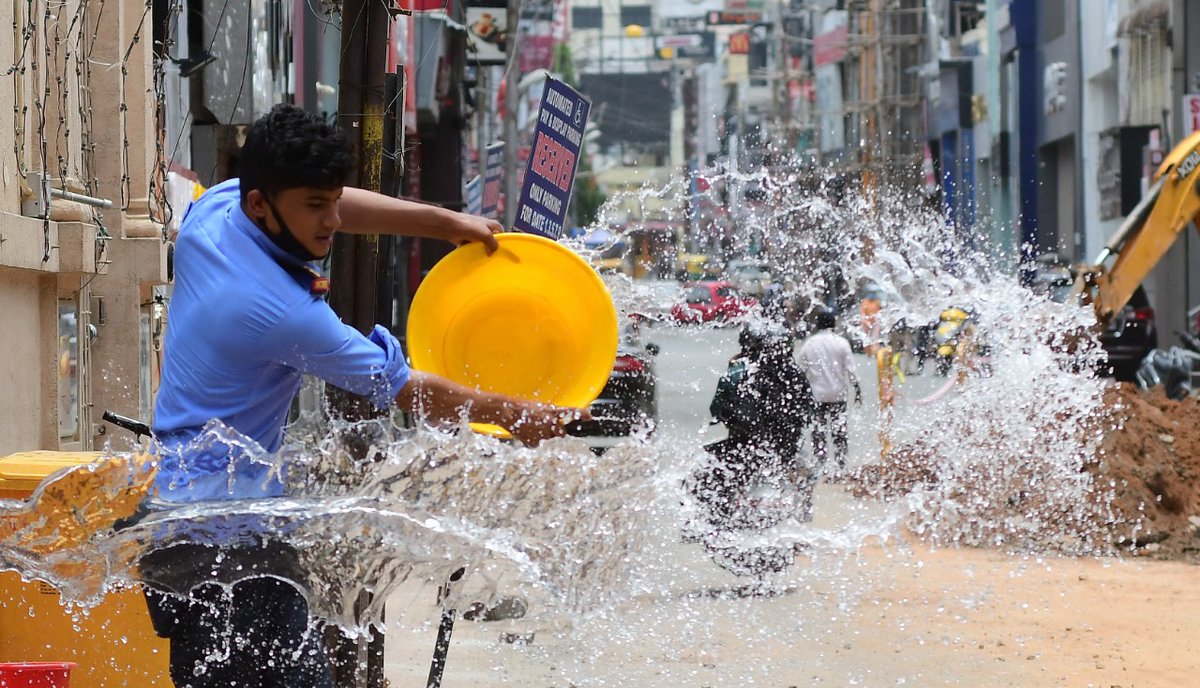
x=288 y=148
x=825 y=319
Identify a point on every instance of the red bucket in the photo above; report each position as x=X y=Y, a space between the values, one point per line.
x=36 y=674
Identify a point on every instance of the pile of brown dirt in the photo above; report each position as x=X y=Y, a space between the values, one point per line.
x=1153 y=462
x=906 y=467
x=1147 y=468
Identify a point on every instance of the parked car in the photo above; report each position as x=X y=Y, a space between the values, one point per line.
x=1129 y=337
x=709 y=301
x=654 y=298
x=630 y=396
x=749 y=276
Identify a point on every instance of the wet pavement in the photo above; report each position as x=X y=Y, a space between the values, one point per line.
x=832 y=618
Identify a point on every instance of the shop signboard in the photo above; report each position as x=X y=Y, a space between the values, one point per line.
x=473 y=192
x=1191 y=113
x=487 y=31
x=492 y=171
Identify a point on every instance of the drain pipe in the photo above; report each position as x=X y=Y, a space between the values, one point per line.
x=80 y=198
x=35 y=201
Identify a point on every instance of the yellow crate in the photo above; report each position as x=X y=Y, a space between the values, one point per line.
x=114 y=644
x=21 y=473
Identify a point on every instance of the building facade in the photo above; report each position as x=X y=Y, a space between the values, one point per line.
x=84 y=240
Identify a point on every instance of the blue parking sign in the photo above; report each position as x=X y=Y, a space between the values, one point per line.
x=553 y=161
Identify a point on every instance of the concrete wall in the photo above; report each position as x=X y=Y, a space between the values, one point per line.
x=27 y=368
x=1100 y=113
x=1170 y=283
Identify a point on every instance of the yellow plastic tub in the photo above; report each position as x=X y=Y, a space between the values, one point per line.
x=533 y=321
x=114 y=645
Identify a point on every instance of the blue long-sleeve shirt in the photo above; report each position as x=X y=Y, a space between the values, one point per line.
x=243 y=326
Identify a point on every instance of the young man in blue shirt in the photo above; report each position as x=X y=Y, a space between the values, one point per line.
x=246 y=320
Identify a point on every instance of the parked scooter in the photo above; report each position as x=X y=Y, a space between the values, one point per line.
x=1173 y=369
x=953 y=327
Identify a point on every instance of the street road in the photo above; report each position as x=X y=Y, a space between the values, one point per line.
x=707 y=603
x=862 y=605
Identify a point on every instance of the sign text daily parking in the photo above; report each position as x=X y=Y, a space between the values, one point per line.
x=553 y=160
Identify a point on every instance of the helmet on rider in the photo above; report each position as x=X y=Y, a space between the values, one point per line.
x=762 y=335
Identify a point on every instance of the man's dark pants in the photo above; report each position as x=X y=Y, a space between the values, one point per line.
x=830 y=418
x=253 y=634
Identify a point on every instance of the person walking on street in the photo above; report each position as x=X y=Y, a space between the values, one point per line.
x=826 y=360
x=248 y=318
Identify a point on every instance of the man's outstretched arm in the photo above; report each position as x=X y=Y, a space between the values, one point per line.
x=436 y=397
x=367 y=212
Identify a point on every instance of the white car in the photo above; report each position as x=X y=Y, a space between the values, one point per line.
x=654 y=298
x=751 y=277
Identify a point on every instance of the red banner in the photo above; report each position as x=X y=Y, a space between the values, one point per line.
x=739 y=43
x=831 y=46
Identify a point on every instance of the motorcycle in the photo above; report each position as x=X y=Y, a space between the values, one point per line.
x=1175 y=369
x=750 y=482
x=954 y=327
x=951 y=325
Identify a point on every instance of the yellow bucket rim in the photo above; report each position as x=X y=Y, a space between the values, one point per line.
x=556 y=301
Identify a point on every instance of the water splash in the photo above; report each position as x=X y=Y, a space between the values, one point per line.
x=553 y=522
x=1005 y=459
x=1008 y=459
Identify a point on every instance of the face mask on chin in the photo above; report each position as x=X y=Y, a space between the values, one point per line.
x=285 y=239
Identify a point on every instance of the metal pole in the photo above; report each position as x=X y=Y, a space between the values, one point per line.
x=886 y=375
x=441 y=647
x=512 y=99
x=776 y=71
x=358 y=262
x=483 y=115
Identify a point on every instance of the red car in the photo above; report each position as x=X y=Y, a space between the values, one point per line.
x=708 y=301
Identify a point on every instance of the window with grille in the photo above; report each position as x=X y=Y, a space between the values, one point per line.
x=587 y=18
x=635 y=14
x=1149 y=71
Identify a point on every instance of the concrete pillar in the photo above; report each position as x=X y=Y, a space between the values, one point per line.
x=1191 y=29
x=1168 y=283
x=122 y=103
x=62 y=80
x=121 y=90
x=26 y=369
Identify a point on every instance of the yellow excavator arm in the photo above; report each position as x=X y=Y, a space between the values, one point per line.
x=1171 y=204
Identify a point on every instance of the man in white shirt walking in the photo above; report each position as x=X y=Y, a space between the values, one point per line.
x=825 y=359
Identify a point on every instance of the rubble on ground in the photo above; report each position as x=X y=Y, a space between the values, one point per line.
x=1153 y=462
x=1146 y=473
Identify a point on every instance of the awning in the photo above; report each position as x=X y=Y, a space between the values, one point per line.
x=648 y=226
x=598 y=237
